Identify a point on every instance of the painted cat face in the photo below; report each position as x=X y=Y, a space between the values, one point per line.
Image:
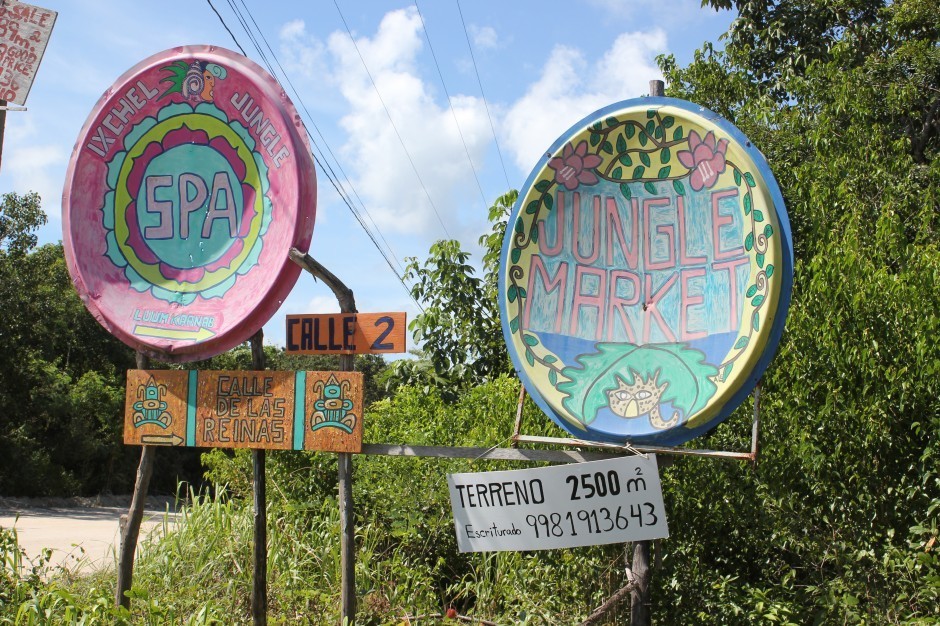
x=637 y=399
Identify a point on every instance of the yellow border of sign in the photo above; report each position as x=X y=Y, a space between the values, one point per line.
x=765 y=240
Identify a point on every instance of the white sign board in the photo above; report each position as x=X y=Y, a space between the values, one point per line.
x=24 y=33
x=581 y=504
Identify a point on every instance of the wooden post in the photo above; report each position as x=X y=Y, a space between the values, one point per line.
x=639 y=597
x=3 y=120
x=640 y=614
x=259 y=588
x=347 y=520
x=131 y=531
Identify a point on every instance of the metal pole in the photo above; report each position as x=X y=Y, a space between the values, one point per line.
x=131 y=530
x=259 y=587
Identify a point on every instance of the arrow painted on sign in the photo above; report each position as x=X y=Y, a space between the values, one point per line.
x=161 y=440
x=172 y=333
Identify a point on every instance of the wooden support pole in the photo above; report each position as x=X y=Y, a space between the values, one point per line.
x=639 y=596
x=3 y=122
x=259 y=587
x=347 y=520
x=130 y=531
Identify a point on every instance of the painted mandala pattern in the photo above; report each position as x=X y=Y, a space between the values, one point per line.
x=187 y=204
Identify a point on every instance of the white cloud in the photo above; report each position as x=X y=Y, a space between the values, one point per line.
x=35 y=167
x=300 y=52
x=571 y=87
x=382 y=169
x=484 y=37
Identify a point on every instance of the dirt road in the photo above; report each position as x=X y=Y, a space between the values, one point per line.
x=83 y=534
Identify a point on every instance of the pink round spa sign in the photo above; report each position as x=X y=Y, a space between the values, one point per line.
x=188 y=185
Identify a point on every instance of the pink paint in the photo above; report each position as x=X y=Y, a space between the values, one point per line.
x=183 y=315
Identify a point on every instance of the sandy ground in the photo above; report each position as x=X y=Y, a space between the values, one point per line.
x=83 y=534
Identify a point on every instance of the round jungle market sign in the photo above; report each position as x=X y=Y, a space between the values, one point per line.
x=188 y=185
x=646 y=273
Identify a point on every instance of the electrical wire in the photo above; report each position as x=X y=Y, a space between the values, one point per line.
x=391 y=121
x=483 y=95
x=324 y=166
x=450 y=103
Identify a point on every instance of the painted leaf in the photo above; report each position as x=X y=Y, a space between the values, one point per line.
x=769 y=271
x=751 y=291
x=677 y=134
x=747 y=203
x=664 y=171
x=553 y=377
x=665 y=156
x=532 y=207
x=741 y=342
x=679 y=187
x=515 y=255
x=668 y=121
x=755 y=321
x=595 y=139
x=530 y=340
x=611 y=122
x=511 y=293
x=650 y=187
x=749 y=242
x=549 y=201
x=758 y=215
x=543 y=185
x=630 y=130
x=750 y=179
x=737 y=177
x=607 y=147
x=617 y=173
x=645 y=158
x=625 y=191
x=650 y=114
x=621 y=144
x=638 y=172
x=684 y=370
x=514 y=325
x=626 y=160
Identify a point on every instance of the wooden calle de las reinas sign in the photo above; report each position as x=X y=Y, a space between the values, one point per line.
x=238 y=409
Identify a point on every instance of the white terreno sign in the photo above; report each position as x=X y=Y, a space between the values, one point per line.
x=581 y=504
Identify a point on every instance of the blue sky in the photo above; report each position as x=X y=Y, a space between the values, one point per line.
x=543 y=66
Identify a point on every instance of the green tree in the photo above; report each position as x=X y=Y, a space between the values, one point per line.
x=459 y=328
x=838 y=522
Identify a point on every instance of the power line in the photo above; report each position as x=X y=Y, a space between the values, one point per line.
x=216 y=11
x=325 y=167
x=480 y=82
x=337 y=182
x=391 y=121
x=450 y=103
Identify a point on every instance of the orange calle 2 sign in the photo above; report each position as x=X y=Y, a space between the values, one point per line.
x=346 y=333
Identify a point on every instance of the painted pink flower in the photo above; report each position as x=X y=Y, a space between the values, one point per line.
x=705 y=158
x=574 y=166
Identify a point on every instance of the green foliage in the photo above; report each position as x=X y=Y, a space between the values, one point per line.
x=459 y=329
x=837 y=525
